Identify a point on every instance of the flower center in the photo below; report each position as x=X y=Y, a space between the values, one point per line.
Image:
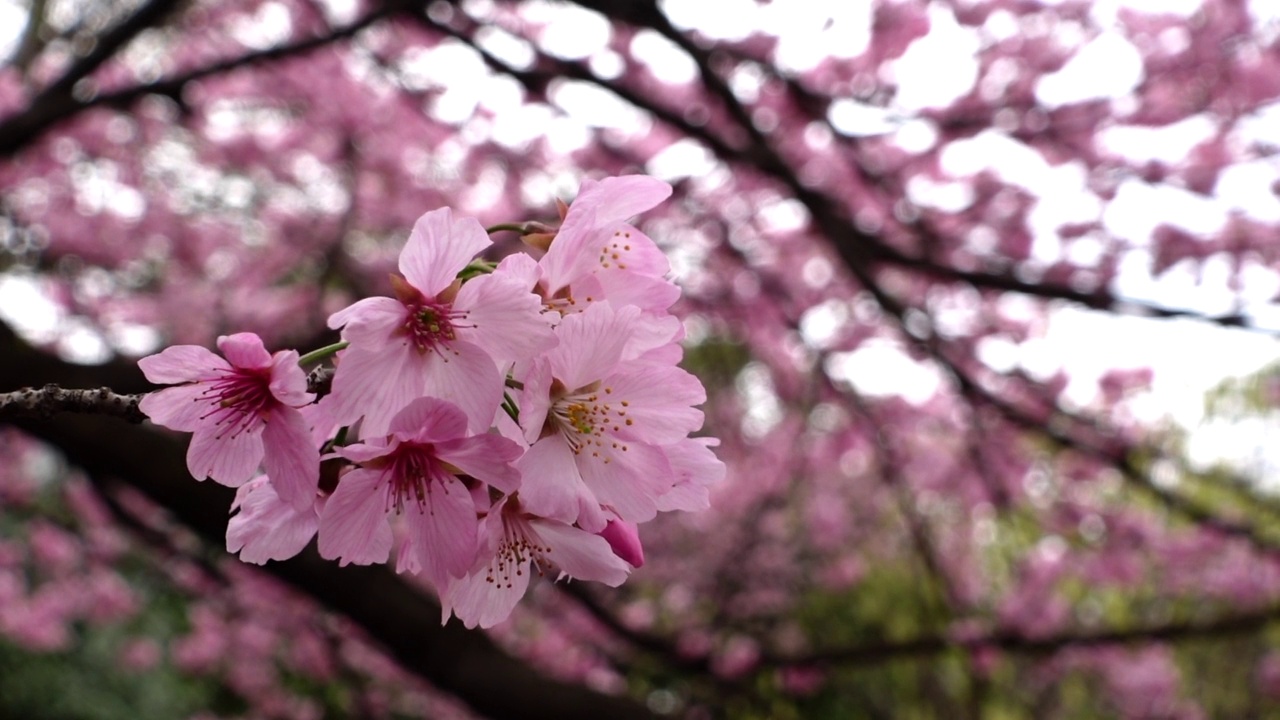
x=413 y=472
x=241 y=400
x=584 y=420
x=563 y=301
x=519 y=545
x=432 y=325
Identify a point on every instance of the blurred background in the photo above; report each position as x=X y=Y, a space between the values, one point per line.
x=983 y=293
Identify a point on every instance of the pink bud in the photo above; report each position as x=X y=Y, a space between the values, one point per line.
x=624 y=538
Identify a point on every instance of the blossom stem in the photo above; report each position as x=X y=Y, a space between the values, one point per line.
x=513 y=227
x=476 y=267
x=319 y=354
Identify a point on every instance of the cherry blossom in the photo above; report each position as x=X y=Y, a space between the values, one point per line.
x=595 y=255
x=438 y=336
x=597 y=423
x=243 y=412
x=515 y=546
x=417 y=473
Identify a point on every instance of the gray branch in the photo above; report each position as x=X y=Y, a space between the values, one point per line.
x=52 y=399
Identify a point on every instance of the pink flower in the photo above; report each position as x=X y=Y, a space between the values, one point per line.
x=267 y=528
x=435 y=338
x=242 y=411
x=415 y=473
x=516 y=544
x=598 y=422
x=596 y=255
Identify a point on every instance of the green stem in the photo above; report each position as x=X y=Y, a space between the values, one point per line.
x=316 y=356
x=476 y=267
x=513 y=227
x=509 y=406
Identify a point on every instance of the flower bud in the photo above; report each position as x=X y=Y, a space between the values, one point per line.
x=624 y=538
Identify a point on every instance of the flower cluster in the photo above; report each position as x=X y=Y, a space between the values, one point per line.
x=488 y=422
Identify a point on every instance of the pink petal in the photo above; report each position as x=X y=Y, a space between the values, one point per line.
x=486 y=458
x=507 y=320
x=438 y=248
x=370 y=319
x=585 y=291
x=535 y=399
x=521 y=269
x=567 y=260
x=696 y=469
x=288 y=381
x=592 y=219
x=507 y=428
x=591 y=343
x=407 y=559
x=291 y=459
x=319 y=416
x=630 y=482
x=177 y=408
x=429 y=419
x=182 y=363
x=649 y=293
x=231 y=460
x=377 y=385
x=621 y=197
x=480 y=498
x=688 y=497
x=466 y=376
x=669 y=354
x=591 y=516
x=375 y=447
x=353 y=525
x=580 y=554
x=478 y=602
x=549 y=480
x=651 y=332
x=244 y=350
x=267 y=528
x=660 y=400
x=444 y=533
x=621 y=247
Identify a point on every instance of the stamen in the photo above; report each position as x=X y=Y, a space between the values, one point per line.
x=582 y=419
x=414 y=472
x=241 y=400
x=432 y=326
x=519 y=545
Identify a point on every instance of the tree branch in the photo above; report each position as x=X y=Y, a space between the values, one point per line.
x=877 y=653
x=57 y=101
x=52 y=399
x=55 y=104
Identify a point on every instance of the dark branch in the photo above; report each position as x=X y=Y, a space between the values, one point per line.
x=52 y=399
x=54 y=105
x=57 y=101
x=878 y=653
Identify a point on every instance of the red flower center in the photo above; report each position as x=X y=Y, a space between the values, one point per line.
x=432 y=325
x=241 y=400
